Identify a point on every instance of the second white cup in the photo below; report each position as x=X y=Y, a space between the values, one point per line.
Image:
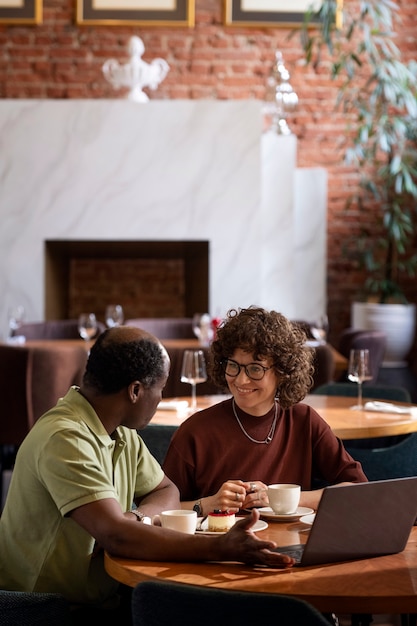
x=182 y=520
x=284 y=498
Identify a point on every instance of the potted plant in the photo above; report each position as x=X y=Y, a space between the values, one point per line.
x=378 y=94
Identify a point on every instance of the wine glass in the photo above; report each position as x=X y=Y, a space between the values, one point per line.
x=16 y=316
x=319 y=328
x=87 y=326
x=202 y=328
x=114 y=315
x=193 y=371
x=359 y=370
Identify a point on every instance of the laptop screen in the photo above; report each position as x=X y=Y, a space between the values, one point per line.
x=358 y=521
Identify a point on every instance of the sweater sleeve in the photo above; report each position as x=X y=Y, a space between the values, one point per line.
x=331 y=461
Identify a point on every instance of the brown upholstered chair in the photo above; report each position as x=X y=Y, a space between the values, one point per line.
x=324 y=366
x=32 y=379
x=305 y=326
x=53 y=329
x=373 y=340
x=324 y=363
x=174 y=387
x=16 y=413
x=165 y=327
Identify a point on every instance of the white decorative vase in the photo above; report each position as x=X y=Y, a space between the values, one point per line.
x=397 y=321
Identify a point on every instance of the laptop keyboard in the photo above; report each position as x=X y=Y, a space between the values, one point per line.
x=295 y=551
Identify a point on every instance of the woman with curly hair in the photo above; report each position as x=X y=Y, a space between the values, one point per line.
x=224 y=457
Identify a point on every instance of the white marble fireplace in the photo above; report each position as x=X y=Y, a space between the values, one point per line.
x=162 y=171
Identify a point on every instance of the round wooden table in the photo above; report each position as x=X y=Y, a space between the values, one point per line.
x=335 y=410
x=386 y=584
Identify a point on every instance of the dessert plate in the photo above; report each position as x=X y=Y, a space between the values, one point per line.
x=260 y=525
x=269 y=514
x=308 y=519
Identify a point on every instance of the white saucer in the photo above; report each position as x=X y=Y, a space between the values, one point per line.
x=308 y=519
x=268 y=513
x=260 y=525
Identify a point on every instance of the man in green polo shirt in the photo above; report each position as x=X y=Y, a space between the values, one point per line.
x=81 y=470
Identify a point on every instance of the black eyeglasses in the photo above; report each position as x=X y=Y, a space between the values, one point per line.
x=255 y=371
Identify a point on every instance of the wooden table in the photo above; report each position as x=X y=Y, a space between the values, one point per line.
x=386 y=584
x=335 y=410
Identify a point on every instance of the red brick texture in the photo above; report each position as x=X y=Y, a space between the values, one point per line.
x=58 y=59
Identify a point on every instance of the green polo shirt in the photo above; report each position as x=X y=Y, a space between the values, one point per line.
x=68 y=460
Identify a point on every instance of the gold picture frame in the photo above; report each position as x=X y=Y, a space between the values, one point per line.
x=20 y=12
x=270 y=13
x=145 y=13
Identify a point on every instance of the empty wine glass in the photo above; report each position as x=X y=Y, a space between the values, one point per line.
x=16 y=316
x=193 y=371
x=114 y=315
x=87 y=326
x=359 y=370
x=319 y=328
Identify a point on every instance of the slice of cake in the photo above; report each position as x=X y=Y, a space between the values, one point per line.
x=220 y=521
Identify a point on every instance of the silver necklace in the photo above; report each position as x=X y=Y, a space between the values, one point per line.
x=271 y=433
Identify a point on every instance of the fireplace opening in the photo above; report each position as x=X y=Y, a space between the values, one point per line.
x=148 y=278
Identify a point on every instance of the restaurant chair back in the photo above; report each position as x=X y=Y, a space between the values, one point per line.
x=157 y=438
x=16 y=377
x=24 y=608
x=31 y=382
x=373 y=340
x=165 y=327
x=393 y=461
x=373 y=392
x=305 y=326
x=53 y=329
x=324 y=362
x=174 y=387
x=324 y=366
x=159 y=603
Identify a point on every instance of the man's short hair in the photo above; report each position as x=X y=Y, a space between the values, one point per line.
x=114 y=363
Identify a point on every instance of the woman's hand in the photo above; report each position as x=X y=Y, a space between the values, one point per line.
x=256 y=495
x=234 y=495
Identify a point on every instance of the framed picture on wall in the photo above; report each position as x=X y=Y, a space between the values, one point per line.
x=20 y=11
x=268 y=12
x=139 y=12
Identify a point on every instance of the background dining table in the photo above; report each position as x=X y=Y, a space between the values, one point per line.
x=335 y=410
x=380 y=585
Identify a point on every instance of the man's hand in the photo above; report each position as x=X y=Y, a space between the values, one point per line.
x=241 y=544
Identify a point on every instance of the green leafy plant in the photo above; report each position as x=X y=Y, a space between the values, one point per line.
x=377 y=92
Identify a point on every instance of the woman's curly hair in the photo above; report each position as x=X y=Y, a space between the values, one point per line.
x=265 y=334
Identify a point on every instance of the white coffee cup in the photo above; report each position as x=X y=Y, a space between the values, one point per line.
x=284 y=498
x=182 y=520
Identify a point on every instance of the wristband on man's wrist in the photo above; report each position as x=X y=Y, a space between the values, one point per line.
x=140 y=516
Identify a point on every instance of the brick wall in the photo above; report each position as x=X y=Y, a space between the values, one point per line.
x=58 y=59
x=144 y=287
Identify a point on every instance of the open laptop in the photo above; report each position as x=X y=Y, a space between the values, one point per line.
x=359 y=521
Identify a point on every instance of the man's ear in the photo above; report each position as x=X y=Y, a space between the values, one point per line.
x=134 y=391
